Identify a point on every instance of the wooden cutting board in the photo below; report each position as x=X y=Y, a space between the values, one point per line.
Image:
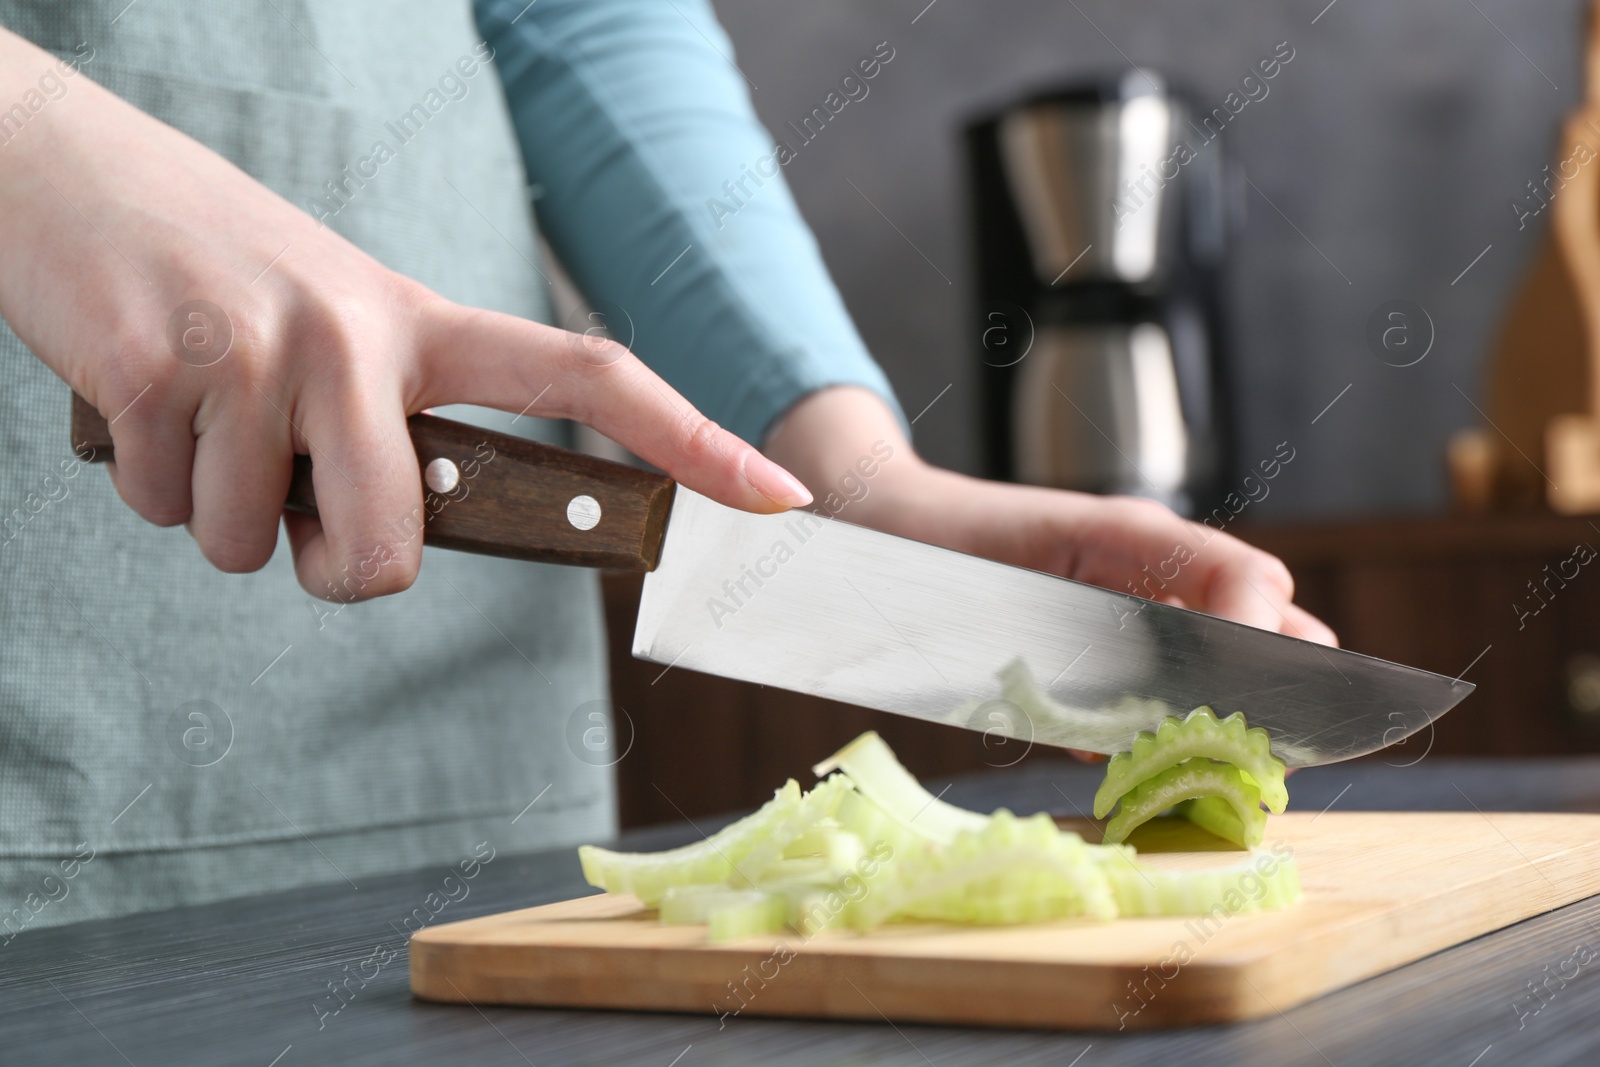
x=1381 y=890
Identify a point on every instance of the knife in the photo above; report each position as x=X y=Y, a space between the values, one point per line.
x=820 y=606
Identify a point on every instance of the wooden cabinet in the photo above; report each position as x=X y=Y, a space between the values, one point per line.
x=1511 y=602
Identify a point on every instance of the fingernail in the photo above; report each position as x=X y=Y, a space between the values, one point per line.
x=774 y=483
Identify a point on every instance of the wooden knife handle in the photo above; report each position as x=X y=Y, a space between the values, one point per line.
x=513 y=497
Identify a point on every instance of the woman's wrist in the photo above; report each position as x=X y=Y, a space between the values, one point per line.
x=845 y=443
x=47 y=109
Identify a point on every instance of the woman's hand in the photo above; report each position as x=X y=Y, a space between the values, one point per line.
x=113 y=224
x=1133 y=546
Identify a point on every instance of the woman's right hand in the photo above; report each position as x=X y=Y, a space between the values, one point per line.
x=111 y=222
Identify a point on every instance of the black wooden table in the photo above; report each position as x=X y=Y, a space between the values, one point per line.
x=247 y=982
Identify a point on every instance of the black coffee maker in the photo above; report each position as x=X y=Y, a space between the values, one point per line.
x=1101 y=216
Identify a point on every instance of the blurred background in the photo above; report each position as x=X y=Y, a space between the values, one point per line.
x=1388 y=167
x=1392 y=144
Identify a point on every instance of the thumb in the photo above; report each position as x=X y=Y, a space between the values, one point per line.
x=470 y=356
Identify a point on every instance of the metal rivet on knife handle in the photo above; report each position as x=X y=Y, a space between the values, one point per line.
x=583 y=511
x=442 y=475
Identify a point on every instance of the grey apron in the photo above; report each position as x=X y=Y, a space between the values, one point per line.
x=171 y=734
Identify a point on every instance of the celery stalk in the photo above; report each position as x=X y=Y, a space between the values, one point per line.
x=1261 y=882
x=806 y=870
x=830 y=842
x=1214 y=815
x=819 y=804
x=1012 y=870
x=1186 y=781
x=766 y=913
x=688 y=904
x=880 y=777
x=727 y=913
x=648 y=874
x=870 y=845
x=1200 y=734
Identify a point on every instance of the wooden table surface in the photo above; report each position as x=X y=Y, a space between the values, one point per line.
x=241 y=982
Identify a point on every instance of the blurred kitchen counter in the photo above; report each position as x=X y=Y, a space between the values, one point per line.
x=1487 y=598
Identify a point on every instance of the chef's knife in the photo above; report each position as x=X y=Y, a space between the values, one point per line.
x=820 y=606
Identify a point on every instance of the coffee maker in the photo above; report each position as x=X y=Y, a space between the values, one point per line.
x=1100 y=221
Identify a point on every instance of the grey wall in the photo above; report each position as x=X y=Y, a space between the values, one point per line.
x=1395 y=141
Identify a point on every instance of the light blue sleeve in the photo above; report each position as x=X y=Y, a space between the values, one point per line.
x=662 y=194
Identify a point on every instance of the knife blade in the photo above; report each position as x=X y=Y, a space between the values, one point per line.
x=823 y=607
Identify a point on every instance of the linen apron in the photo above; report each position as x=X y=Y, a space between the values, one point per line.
x=203 y=735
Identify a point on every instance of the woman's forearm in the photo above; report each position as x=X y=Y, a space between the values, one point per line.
x=834 y=437
x=35 y=86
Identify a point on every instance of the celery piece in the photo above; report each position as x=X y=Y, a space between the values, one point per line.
x=764 y=913
x=872 y=825
x=870 y=846
x=814 y=842
x=1261 y=882
x=806 y=870
x=1189 y=779
x=727 y=913
x=880 y=777
x=1214 y=815
x=812 y=908
x=1010 y=871
x=648 y=874
x=1035 y=887
x=819 y=804
x=820 y=856
x=686 y=904
x=1199 y=734
x=829 y=841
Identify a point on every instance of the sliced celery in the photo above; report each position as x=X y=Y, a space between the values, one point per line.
x=1010 y=871
x=865 y=818
x=806 y=870
x=1200 y=734
x=880 y=777
x=812 y=908
x=687 y=904
x=648 y=874
x=1261 y=882
x=727 y=913
x=1214 y=815
x=766 y=915
x=819 y=804
x=870 y=845
x=828 y=841
x=1186 y=781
